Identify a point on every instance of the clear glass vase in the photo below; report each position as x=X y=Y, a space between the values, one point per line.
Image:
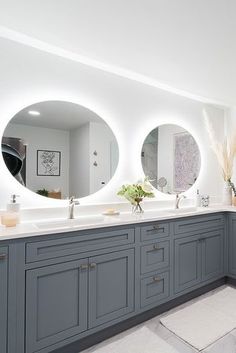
x=136 y=208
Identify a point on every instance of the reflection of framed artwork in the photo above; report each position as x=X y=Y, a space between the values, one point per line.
x=186 y=161
x=48 y=163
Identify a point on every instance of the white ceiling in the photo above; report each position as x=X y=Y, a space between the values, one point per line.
x=187 y=44
x=56 y=115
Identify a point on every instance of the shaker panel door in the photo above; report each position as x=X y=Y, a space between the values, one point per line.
x=232 y=244
x=213 y=255
x=3 y=298
x=187 y=262
x=111 y=286
x=56 y=303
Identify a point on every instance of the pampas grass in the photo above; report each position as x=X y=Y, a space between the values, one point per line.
x=225 y=151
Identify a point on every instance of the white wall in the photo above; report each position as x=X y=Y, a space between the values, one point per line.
x=90 y=138
x=131 y=109
x=230 y=131
x=101 y=139
x=79 y=161
x=43 y=139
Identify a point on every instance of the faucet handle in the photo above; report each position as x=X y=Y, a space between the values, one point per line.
x=179 y=195
x=72 y=199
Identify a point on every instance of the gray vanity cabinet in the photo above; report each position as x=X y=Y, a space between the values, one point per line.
x=70 y=286
x=56 y=303
x=65 y=299
x=187 y=264
x=212 y=255
x=232 y=244
x=111 y=286
x=198 y=258
x=3 y=298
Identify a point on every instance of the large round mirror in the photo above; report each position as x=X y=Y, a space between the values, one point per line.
x=171 y=159
x=60 y=149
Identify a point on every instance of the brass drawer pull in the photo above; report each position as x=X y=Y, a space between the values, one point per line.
x=3 y=256
x=155 y=247
x=83 y=267
x=156 y=279
x=156 y=227
x=92 y=265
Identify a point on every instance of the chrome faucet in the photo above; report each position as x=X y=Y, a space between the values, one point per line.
x=178 y=198
x=72 y=203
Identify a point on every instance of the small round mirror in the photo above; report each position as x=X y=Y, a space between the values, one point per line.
x=171 y=159
x=60 y=149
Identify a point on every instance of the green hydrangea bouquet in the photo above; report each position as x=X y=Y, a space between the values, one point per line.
x=135 y=193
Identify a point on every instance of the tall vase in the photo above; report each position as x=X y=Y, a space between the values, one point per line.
x=227 y=194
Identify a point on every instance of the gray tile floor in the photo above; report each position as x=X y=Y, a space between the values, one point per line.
x=226 y=344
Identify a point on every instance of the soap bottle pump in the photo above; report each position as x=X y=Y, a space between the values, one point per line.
x=13 y=206
x=12 y=215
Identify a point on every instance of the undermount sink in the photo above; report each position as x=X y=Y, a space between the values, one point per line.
x=183 y=210
x=68 y=223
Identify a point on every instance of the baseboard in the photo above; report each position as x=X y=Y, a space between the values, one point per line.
x=231 y=280
x=104 y=334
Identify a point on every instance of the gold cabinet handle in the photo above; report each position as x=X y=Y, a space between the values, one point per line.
x=155 y=247
x=3 y=257
x=156 y=279
x=83 y=267
x=92 y=265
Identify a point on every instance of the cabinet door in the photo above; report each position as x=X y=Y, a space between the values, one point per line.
x=212 y=255
x=187 y=263
x=232 y=244
x=56 y=303
x=111 y=286
x=3 y=298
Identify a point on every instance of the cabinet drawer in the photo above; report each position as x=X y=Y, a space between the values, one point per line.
x=154 y=289
x=154 y=231
x=83 y=242
x=198 y=223
x=155 y=256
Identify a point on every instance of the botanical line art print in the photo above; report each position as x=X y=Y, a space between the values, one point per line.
x=48 y=163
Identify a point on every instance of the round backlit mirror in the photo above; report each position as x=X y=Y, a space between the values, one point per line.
x=60 y=149
x=171 y=159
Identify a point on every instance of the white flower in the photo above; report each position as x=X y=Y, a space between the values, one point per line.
x=146 y=188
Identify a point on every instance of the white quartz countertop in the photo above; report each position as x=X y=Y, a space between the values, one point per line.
x=62 y=225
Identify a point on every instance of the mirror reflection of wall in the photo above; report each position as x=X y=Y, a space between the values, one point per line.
x=171 y=158
x=69 y=149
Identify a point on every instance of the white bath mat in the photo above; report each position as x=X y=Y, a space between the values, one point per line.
x=141 y=341
x=202 y=323
x=224 y=301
